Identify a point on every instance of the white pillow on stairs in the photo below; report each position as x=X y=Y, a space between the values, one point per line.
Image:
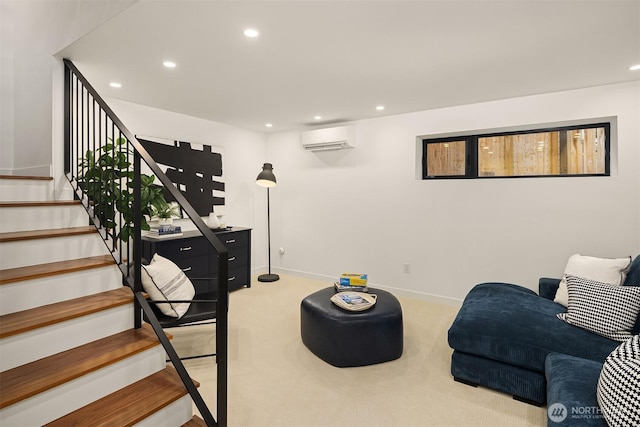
x=163 y=281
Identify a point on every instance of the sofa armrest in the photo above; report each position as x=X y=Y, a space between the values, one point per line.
x=547 y=287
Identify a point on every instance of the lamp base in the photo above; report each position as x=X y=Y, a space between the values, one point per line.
x=268 y=278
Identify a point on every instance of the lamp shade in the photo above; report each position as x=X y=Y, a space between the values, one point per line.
x=266 y=178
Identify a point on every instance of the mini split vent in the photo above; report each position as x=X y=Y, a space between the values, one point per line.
x=326 y=139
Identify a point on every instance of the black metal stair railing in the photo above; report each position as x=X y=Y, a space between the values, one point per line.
x=102 y=161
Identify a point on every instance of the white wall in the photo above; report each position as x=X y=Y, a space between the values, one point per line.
x=31 y=33
x=364 y=210
x=244 y=154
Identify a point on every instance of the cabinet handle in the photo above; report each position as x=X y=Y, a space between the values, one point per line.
x=231 y=241
x=188 y=248
x=231 y=278
x=232 y=258
x=186 y=269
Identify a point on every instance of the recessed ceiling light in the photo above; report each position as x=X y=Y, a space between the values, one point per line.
x=380 y=107
x=169 y=64
x=268 y=125
x=115 y=84
x=251 y=32
x=317 y=118
x=634 y=67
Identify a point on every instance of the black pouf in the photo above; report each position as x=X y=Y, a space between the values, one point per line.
x=346 y=338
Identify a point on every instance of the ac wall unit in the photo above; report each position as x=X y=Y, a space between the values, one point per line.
x=328 y=139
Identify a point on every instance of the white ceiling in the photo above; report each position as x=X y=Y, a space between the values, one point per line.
x=340 y=59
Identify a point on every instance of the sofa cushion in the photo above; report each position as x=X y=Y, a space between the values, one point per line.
x=619 y=384
x=512 y=324
x=633 y=276
x=602 y=308
x=633 y=279
x=571 y=397
x=607 y=270
x=548 y=286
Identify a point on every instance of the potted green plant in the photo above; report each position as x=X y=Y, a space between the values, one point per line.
x=165 y=212
x=106 y=177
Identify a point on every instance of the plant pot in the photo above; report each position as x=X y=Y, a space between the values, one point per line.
x=165 y=221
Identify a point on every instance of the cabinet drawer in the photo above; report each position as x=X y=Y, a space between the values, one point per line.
x=237 y=239
x=237 y=258
x=237 y=278
x=194 y=266
x=183 y=248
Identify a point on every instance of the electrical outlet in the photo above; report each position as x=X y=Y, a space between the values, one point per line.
x=407 y=267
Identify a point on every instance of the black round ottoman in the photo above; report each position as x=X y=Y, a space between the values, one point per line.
x=345 y=338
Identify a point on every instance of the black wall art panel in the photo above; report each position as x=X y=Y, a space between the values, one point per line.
x=195 y=170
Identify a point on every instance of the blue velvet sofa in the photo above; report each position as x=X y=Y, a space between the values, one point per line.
x=508 y=338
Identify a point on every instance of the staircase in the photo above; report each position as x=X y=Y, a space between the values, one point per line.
x=68 y=352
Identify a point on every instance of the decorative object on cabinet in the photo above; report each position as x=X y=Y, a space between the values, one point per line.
x=266 y=178
x=195 y=169
x=165 y=212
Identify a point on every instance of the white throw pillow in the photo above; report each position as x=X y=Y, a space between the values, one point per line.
x=601 y=308
x=164 y=281
x=619 y=385
x=607 y=270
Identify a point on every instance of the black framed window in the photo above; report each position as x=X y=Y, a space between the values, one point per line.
x=581 y=150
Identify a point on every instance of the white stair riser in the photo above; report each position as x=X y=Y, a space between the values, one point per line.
x=42 y=218
x=59 y=401
x=33 y=345
x=175 y=414
x=22 y=190
x=42 y=251
x=33 y=293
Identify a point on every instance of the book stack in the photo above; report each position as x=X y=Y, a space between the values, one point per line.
x=354 y=282
x=164 y=231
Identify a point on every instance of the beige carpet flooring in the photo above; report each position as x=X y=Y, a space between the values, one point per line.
x=275 y=381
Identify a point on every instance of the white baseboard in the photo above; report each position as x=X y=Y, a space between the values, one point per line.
x=436 y=299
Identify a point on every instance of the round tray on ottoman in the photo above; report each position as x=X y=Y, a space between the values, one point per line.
x=347 y=338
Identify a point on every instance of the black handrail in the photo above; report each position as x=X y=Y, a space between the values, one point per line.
x=91 y=136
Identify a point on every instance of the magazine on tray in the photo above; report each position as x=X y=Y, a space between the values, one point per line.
x=354 y=301
x=343 y=288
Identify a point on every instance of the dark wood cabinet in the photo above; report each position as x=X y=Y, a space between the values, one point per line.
x=192 y=253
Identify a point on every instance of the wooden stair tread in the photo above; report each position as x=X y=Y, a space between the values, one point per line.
x=27 y=177
x=12 y=275
x=14 y=236
x=41 y=375
x=196 y=421
x=27 y=320
x=34 y=204
x=131 y=404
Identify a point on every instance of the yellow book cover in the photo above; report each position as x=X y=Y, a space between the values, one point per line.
x=353 y=279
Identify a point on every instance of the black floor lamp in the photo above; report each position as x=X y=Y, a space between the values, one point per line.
x=266 y=178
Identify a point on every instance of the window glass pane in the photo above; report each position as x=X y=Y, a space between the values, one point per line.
x=585 y=151
x=446 y=158
x=566 y=152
